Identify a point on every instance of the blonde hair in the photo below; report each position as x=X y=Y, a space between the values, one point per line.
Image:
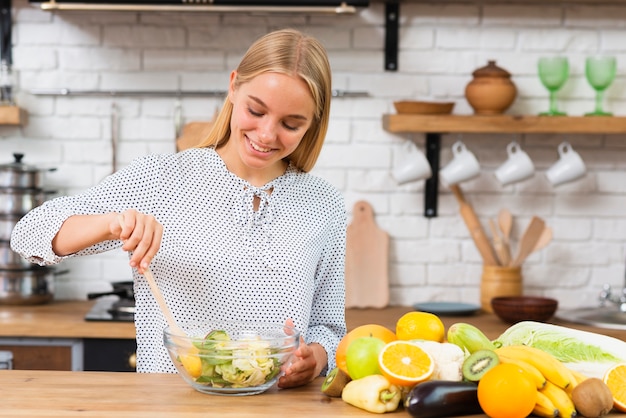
x=290 y=52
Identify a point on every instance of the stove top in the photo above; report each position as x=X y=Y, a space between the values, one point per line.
x=112 y=308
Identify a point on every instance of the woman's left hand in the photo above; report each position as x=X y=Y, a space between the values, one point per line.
x=307 y=364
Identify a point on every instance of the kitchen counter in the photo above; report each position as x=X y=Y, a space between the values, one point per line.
x=59 y=319
x=106 y=394
x=65 y=319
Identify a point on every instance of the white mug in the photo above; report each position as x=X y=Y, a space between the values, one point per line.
x=569 y=167
x=464 y=165
x=517 y=167
x=412 y=165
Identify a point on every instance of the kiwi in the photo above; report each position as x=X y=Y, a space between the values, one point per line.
x=592 y=398
x=334 y=383
x=478 y=363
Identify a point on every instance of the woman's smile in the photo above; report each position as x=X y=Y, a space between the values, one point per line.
x=271 y=114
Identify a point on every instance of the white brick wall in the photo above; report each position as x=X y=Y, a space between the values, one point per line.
x=440 y=46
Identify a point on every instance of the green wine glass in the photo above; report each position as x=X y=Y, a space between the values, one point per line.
x=553 y=73
x=600 y=72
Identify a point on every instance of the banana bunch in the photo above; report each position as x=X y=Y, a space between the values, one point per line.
x=553 y=379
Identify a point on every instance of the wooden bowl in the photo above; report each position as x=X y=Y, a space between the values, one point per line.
x=424 y=108
x=514 y=309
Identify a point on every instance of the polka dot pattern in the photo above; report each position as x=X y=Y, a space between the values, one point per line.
x=219 y=259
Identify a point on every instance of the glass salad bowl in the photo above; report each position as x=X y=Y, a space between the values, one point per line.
x=231 y=358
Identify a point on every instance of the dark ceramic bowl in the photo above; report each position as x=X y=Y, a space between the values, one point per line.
x=514 y=309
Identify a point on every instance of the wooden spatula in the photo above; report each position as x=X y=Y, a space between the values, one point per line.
x=475 y=228
x=529 y=240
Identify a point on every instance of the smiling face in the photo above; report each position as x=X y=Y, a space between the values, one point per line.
x=271 y=114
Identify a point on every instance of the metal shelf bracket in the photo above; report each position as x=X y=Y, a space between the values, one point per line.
x=392 y=26
x=431 y=189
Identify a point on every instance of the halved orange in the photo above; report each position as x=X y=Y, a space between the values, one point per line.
x=615 y=379
x=404 y=363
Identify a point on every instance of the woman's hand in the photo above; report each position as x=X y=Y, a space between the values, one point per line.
x=306 y=364
x=141 y=235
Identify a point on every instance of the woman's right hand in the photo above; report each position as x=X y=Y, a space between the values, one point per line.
x=141 y=235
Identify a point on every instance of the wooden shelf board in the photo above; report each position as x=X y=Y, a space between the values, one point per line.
x=504 y=124
x=12 y=115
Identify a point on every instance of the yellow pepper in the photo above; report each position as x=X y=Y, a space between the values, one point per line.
x=372 y=393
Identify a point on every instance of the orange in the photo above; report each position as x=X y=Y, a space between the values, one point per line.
x=420 y=326
x=506 y=391
x=368 y=330
x=405 y=364
x=615 y=379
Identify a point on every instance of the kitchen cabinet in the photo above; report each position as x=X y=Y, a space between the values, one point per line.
x=33 y=354
x=436 y=125
x=55 y=336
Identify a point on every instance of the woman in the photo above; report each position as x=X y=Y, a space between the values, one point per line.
x=235 y=229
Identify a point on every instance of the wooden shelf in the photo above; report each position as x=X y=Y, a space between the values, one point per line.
x=12 y=115
x=504 y=124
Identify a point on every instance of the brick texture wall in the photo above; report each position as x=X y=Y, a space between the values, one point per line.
x=441 y=43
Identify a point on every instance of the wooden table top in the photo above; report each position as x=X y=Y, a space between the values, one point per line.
x=46 y=394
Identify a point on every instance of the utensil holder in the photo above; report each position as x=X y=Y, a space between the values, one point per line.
x=499 y=281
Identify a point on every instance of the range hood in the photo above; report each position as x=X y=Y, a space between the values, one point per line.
x=218 y=6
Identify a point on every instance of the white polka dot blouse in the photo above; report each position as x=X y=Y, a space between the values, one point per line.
x=219 y=258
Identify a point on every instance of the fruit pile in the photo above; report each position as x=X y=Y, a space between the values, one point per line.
x=433 y=374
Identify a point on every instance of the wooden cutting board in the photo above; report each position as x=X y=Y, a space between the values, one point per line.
x=367 y=260
x=192 y=134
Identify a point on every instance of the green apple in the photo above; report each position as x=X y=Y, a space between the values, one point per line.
x=362 y=357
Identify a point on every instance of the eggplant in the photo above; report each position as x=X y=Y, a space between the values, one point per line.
x=443 y=398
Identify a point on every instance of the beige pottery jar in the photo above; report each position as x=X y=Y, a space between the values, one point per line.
x=491 y=91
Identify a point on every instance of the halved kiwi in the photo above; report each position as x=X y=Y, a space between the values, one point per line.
x=334 y=383
x=477 y=364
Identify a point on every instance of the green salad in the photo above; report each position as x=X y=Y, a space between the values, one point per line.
x=224 y=362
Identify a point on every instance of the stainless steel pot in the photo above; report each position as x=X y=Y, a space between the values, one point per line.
x=14 y=201
x=26 y=287
x=20 y=175
x=7 y=223
x=10 y=260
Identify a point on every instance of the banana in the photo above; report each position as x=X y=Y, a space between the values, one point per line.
x=561 y=400
x=545 y=407
x=533 y=372
x=579 y=376
x=552 y=369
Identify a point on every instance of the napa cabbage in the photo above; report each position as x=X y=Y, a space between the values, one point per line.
x=587 y=352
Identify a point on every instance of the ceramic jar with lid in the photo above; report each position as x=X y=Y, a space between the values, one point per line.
x=491 y=91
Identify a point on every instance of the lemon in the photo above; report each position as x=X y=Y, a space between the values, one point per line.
x=420 y=326
x=191 y=363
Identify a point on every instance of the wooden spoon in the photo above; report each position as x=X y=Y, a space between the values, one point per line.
x=156 y=292
x=529 y=240
x=544 y=239
x=505 y=221
x=498 y=245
